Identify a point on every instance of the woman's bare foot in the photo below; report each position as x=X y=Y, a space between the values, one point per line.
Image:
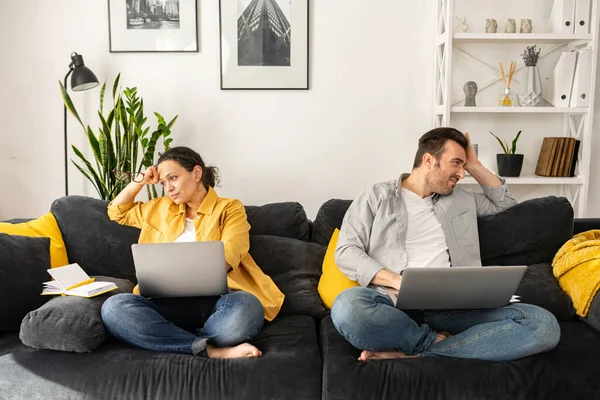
x=382 y=355
x=243 y=350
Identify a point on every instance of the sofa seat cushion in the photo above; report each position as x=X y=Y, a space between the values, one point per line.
x=70 y=323
x=290 y=368
x=567 y=372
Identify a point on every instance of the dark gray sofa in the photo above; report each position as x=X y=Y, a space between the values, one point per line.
x=304 y=356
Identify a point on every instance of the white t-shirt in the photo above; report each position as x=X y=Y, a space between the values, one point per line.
x=189 y=232
x=425 y=240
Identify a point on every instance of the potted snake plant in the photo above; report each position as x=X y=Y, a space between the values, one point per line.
x=509 y=163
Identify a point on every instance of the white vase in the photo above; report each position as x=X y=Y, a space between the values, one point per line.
x=531 y=91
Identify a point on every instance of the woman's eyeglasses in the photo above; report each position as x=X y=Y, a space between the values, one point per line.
x=126 y=176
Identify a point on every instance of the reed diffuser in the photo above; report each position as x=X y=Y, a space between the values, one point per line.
x=508 y=99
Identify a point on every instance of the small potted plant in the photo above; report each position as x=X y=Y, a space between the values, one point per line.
x=509 y=163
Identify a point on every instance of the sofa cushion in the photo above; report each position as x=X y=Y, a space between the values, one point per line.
x=566 y=372
x=329 y=217
x=295 y=267
x=44 y=226
x=529 y=233
x=24 y=264
x=593 y=316
x=540 y=287
x=70 y=323
x=332 y=281
x=290 y=368
x=286 y=219
x=99 y=245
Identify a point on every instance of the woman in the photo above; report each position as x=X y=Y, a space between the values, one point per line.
x=216 y=326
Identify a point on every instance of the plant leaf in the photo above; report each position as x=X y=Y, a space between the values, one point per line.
x=69 y=104
x=504 y=148
x=115 y=86
x=514 y=143
x=102 y=97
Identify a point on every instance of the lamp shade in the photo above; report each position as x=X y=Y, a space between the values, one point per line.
x=82 y=77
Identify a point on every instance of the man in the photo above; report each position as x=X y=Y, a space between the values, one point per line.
x=423 y=220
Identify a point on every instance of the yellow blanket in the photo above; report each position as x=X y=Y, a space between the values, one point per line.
x=576 y=265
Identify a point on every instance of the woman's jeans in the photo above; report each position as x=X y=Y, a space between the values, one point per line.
x=186 y=324
x=370 y=321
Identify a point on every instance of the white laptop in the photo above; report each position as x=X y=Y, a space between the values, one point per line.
x=458 y=288
x=186 y=269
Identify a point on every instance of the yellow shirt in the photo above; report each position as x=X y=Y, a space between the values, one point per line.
x=162 y=221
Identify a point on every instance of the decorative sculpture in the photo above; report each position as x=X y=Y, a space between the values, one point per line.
x=491 y=26
x=510 y=26
x=470 y=90
x=462 y=27
x=526 y=26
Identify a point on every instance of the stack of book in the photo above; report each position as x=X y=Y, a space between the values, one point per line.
x=558 y=157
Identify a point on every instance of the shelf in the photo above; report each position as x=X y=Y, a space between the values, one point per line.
x=519 y=37
x=532 y=180
x=521 y=110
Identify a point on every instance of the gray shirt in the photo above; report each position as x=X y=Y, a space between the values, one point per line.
x=373 y=232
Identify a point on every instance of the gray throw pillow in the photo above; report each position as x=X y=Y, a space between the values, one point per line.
x=70 y=323
x=24 y=262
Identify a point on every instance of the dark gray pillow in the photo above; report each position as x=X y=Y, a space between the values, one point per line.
x=330 y=216
x=24 y=262
x=286 y=219
x=295 y=267
x=70 y=323
x=540 y=287
x=593 y=316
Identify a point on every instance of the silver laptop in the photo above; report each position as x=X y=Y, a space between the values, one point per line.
x=185 y=269
x=457 y=288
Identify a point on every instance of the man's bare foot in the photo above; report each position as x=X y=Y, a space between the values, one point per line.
x=382 y=355
x=442 y=336
x=243 y=350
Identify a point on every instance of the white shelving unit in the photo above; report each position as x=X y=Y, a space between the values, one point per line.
x=552 y=121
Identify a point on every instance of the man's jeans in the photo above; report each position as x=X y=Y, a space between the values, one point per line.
x=370 y=321
x=183 y=325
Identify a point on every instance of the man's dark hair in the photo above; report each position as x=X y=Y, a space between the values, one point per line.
x=433 y=142
x=188 y=159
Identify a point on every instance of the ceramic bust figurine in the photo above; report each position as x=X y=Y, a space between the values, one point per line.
x=462 y=27
x=470 y=90
x=526 y=26
x=491 y=26
x=510 y=26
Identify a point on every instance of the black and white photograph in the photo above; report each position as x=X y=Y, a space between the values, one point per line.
x=257 y=50
x=264 y=32
x=152 y=14
x=153 y=26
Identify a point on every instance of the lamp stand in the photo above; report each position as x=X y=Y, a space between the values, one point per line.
x=66 y=154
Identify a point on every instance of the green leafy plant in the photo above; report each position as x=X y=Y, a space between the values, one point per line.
x=123 y=140
x=508 y=150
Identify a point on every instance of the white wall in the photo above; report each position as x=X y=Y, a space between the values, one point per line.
x=371 y=67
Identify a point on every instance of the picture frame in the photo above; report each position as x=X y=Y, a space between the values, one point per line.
x=152 y=26
x=259 y=50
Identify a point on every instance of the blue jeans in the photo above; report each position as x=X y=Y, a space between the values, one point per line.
x=370 y=321
x=183 y=325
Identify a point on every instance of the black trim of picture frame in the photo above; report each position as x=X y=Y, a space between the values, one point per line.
x=196 y=36
x=307 y=82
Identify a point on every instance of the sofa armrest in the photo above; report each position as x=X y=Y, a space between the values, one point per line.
x=585 y=224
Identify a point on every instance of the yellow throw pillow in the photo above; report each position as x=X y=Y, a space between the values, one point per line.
x=333 y=281
x=44 y=226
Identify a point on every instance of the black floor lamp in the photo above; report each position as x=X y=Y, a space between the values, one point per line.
x=82 y=79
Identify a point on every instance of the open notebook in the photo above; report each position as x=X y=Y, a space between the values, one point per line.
x=71 y=280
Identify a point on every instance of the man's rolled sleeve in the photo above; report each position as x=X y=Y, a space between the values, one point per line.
x=494 y=199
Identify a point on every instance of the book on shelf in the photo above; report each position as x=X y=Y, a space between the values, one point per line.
x=71 y=280
x=558 y=157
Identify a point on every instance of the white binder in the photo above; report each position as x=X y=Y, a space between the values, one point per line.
x=580 y=95
x=582 y=16
x=562 y=17
x=558 y=89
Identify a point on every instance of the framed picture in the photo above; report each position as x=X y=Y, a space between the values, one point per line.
x=152 y=26
x=264 y=44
